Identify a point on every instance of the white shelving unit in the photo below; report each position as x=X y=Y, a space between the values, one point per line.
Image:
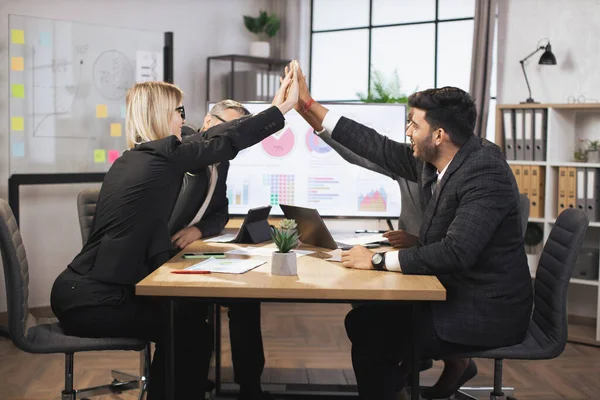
x=566 y=125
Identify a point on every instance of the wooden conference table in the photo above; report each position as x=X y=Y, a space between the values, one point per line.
x=318 y=281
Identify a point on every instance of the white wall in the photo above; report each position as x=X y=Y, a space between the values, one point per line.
x=573 y=28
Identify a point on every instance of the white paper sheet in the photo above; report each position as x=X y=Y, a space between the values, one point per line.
x=221 y=239
x=226 y=265
x=359 y=238
x=264 y=251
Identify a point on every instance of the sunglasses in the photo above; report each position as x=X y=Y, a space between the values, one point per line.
x=181 y=110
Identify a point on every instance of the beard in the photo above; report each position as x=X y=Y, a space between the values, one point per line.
x=428 y=151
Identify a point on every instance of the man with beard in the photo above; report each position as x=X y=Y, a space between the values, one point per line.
x=470 y=238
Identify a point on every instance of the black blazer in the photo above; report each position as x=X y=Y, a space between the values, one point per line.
x=194 y=191
x=129 y=236
x=471 y=237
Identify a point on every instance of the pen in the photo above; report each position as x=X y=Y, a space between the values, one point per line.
x=190 y=272
x=368 y=231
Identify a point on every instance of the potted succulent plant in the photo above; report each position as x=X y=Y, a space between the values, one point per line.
x=264 y=26
x=592 y=150
x=286 y=239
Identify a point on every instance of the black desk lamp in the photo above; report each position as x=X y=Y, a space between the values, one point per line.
x=547 y=58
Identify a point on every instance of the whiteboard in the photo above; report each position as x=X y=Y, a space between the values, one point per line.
x=68 y=82
x=294 y=166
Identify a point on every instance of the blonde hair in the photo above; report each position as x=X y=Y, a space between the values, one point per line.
x=149 y=108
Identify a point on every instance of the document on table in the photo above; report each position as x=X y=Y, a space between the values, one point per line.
x=226 y=265
x=264 y=251
x=336 y=255
x=359 y=238
x=221 y=238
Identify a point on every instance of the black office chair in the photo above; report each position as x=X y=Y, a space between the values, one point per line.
x=86 y=209
x=546 y=337
x=32 y=336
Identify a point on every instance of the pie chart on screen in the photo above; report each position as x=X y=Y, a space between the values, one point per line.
x=279 y=144
x=315 y=144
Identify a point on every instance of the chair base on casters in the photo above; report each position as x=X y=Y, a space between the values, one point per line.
x=122 y=381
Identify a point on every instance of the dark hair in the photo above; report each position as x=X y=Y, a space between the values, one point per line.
x=449 y=108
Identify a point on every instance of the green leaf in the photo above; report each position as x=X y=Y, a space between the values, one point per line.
x=251 y=24
x=272 y=26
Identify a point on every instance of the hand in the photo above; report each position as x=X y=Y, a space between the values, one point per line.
x=287 y=94
x=357 y=257
x=186 y=236
x=303 y=93
x=401 y=239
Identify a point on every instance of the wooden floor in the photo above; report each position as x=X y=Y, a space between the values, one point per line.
x=303 y=344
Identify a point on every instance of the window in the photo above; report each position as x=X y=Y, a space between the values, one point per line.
x=427 y=43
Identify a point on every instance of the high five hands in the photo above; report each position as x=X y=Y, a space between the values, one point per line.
x=287 y=94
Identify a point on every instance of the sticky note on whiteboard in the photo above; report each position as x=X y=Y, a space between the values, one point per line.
x=17 y=63
x=115 y=129
x=17 y=124
x=123 y=111
x=17 y=36
x=45 y=38
x=101 y=111
x=18 y=149
x=99 y=156
x=17 y=90
x=113 y=155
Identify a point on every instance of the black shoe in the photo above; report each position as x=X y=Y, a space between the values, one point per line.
x=430 y=393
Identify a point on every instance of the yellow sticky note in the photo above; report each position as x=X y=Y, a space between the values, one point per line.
x=17 y=90
x=115 y=129
x=17 y=63
x=17 y=123
x=101 y=111
x=17 y=36
x=99 y=156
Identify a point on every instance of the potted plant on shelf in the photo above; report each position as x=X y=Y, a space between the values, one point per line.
x=592 y=150
x=286 y=239
x=264 y=26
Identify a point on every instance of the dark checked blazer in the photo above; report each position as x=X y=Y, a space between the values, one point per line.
x=410 y=215
x=471 y=237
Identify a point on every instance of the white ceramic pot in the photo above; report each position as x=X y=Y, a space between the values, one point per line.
x=593 y=156
x=260 y=49
x=284 y=264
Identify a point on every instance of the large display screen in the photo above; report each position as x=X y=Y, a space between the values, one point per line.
x=294 y=166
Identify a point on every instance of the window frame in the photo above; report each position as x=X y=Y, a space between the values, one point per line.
x=370 y=28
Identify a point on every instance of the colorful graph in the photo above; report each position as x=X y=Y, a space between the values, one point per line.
x=315 y=144
x=236 y=195
x=322 y=189
x=282 y=187
x=375 y=200
x=279 y=144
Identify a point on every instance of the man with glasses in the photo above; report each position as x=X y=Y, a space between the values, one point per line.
x=202 y=210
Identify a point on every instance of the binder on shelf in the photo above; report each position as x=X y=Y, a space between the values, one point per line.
x=591 y=193
x=508 y=119
x=562 y=190
x=540 y=128
x=537 y=188
x=516 y=169
x=526 y=181
x=528 y=135
x=580 y=188
x=571 y=187
x=519 y=135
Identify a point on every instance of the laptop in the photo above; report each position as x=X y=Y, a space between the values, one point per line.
x=313 y=230
x=254 y=229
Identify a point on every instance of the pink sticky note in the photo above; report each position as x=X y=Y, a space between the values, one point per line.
x=113 y=155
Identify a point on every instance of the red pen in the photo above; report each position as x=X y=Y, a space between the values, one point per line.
x=188 y=271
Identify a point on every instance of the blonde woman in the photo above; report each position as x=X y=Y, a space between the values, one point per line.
x=94 y=296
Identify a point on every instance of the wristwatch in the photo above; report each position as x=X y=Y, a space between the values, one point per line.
x=378 y=261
